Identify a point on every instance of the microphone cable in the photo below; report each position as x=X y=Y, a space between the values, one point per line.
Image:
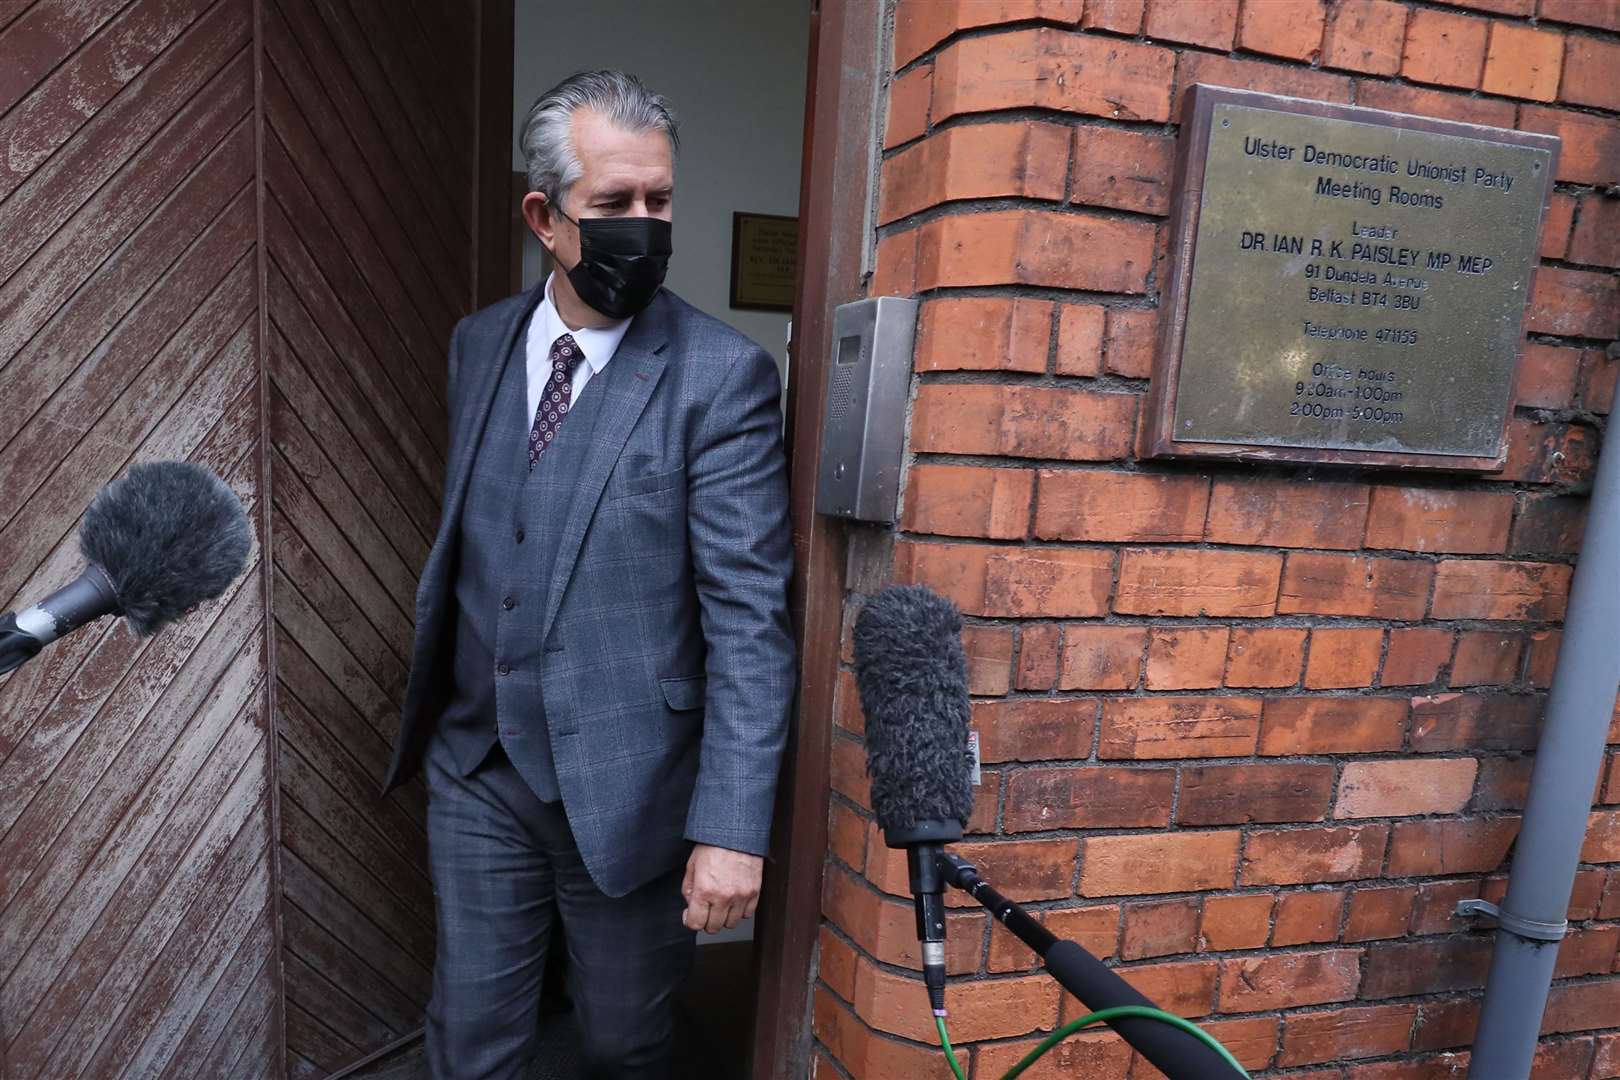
x=1102 y=1016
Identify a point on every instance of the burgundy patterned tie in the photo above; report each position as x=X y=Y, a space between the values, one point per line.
x=555 y=398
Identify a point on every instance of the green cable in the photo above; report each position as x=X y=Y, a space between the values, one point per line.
x=1118 y=1012
x=945 y=1041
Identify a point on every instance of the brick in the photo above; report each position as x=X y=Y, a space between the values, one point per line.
x=1288 y=980
x=980 y=1009
x=1503 y=783
x=1239 y=794
x=919 y=25
x=1235 y=922
x=1588 y=950
x=1120 y=16
x=1312 y=855
x=1035 y=247
x=847 y=704
x=1307 y=918
x=1329 y=725
x=1195 y=67
x=846 y=834
x=1365 y=36
x=1595 y=239
x=1450 y=846
x=1190 y=658
x=1380 y=912
x=1416 y=655
x=1549 y=525
x=1090 y=797
x=1487 y=658
x=1547 y=377
x=1443 y=1024
x=1610 y=908
x=1022 y=421
x=1611 y=782
x=1602 y=837
x=989 y=652
x=1598 y=381
x=1404 y=968
x=1080 y=340
x=1589 y=73
x=964 y=500
x=1121 y=169
x=1050 y=69
x=1444 y=48
x=1554 y=1061
x=1087 y=1053
x=847 y=769
x=1518 y=8
x=1276 y=513
x=836 y=962
x=1112 y=507
x=1582 y=1007
x=1344 y=1034
x=1345 y=657
x=979 y=161
x=1591 y=150
x=1501 y=591
x=1421 y=101
x=1600 y=13
x=1179 y=727
x=1265 y=657
x=1586 y=895
x=1128 y=349
x=984 y=334
x=986 y=798
x=1158 y=863
x=1101 y=657
x=1434 y=519
x=1575 y=303
x=1159 y=928
x=1550 y=453
x=1405 y=788
x=1555 y=228
x=1433 y=1067
x=1184 y=988
x=895 y=269
x=1376 y=588
x=1291 y=29
x=1523 y=62
x=908 y=106
x=1198 y=583
x=1606 y=1059
x=866 y=1055
x=1025 y=870
x=887 y=929
x=1474 y=722
x=1010 y=582
x=1544 y=645
x=1038 y=650
x=1034 y=729
x=1210 y=23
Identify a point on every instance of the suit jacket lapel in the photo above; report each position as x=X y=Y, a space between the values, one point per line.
x=626 y=385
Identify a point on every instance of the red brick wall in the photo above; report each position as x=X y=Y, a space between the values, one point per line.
x=1250 y=733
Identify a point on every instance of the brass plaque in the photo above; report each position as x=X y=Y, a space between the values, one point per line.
x=1357 y=287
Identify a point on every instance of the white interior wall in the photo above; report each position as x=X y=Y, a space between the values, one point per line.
x=734 y=71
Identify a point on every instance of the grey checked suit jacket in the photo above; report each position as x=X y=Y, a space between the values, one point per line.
x=667 y=665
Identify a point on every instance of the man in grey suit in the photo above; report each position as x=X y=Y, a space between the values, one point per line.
x=603 y=665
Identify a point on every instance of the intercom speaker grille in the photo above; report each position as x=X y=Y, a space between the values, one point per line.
x=842 y=392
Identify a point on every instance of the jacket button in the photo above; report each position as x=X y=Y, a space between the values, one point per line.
x=504 y=669
x=519 y=536
x=509 y=603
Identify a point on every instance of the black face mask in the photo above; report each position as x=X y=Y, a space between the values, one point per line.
x=622 y=262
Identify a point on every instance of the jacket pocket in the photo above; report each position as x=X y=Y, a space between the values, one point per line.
x=624 y=486
x=684 y=695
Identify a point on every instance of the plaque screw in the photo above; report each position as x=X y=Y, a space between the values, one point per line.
x=1226 y=123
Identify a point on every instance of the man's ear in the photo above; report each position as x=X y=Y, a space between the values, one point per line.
x=538 y=216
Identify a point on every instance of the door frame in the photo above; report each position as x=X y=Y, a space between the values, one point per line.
x=842 y=102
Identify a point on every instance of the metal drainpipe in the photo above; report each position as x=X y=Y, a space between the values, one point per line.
x=1531 y=920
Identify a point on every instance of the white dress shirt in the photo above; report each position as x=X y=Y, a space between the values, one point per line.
x=545 y=327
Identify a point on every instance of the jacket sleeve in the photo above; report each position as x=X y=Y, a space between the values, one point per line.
x=742 y=554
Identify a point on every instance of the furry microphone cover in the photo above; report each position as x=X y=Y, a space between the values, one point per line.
x=912 y=678
x=170 y=535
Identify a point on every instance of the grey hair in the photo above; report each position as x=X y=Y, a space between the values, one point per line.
x=547 y=140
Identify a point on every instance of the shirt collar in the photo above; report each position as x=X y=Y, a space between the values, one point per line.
x=597 y=343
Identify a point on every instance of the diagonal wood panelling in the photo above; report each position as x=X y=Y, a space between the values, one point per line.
x=368 y=211
x=218 y=212
x=135 y=832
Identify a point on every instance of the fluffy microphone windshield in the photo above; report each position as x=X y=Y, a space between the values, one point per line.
x=912 y=679
x=170 y=535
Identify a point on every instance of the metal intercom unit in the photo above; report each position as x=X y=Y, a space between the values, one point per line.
x=864 y=424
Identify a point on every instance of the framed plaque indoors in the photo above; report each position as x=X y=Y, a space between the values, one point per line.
x=1345 y=285
x=764 y=261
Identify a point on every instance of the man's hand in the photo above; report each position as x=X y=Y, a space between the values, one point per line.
x=721 y=887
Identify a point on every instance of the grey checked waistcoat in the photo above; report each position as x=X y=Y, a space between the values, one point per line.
x=510 y=528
